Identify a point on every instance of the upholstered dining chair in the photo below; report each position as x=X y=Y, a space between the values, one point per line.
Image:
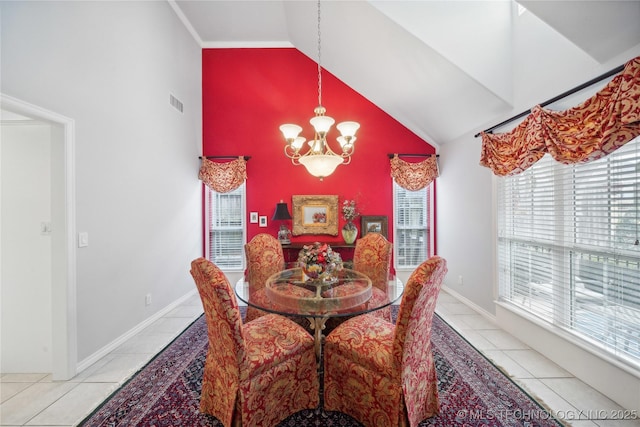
x=383 y=374
x=372 y=256
x=264 y=257
x=257 y=373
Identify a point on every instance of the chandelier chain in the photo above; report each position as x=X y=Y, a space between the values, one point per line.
x=319 y=61
x=319 y=159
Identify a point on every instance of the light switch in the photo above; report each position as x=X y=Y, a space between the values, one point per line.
x=45 y=228
x=83 y=239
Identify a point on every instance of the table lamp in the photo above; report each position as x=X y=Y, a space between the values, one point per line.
x=282 y=214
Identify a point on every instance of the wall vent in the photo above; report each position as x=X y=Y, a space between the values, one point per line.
x=175 y=103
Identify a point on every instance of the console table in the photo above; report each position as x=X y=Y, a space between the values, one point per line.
x=291 y=250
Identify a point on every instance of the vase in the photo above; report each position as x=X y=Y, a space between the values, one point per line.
x=313 y=271
x=349 y=233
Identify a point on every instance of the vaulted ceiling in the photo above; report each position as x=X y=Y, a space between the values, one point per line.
x=442 y=68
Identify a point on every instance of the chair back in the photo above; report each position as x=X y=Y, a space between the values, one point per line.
x=264 y=258
x=412 y=338
x=372 y=256
x=224 y=329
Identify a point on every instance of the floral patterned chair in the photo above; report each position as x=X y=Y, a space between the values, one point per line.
x=257 y=373
x=372 y=256
x=384 y=374
x=264 y=258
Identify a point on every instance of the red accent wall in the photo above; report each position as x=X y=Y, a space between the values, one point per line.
x=248 y=93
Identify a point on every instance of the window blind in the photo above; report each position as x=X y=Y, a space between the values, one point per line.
x=568 y=248
x=226 y=228
x=411 y=233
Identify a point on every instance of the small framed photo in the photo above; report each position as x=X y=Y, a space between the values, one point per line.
x=374 y=224
x=263 y=221
x=253 y=218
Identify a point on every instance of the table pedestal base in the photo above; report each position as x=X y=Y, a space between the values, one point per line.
x=317 y=324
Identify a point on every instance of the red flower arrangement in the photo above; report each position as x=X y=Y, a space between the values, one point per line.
x=318 y=259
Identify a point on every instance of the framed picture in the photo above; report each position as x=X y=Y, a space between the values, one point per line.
x=315 y=215
x=263 y=221
x=373 y=224
x=253 y=218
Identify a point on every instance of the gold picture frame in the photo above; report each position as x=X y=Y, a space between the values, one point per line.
x=315 y=215
x=374 y=224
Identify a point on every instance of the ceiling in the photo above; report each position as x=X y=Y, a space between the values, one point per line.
x=442 y=68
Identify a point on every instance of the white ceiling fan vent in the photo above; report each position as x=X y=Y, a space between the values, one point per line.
x=175 y=103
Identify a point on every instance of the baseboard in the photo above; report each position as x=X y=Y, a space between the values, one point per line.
x=85 y=363
x=481 y=311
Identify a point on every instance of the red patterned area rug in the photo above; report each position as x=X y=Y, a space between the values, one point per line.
x=473 y=392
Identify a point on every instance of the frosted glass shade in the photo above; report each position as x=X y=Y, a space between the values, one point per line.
x=322 y=165
x=297 y=143
x=290 y=131
x=348 y=128
x=322 y=124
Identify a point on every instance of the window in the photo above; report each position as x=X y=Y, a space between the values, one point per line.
x=568 y=249
x=412 y=217
x=227 y=228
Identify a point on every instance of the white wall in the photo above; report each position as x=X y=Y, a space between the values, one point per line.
x=464 y=220
x=466 y=202
x=111 y=66
x=25 y=152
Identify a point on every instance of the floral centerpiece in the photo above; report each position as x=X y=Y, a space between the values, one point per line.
x=319 y=260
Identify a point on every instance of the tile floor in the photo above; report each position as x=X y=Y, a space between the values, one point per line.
x=35 y=400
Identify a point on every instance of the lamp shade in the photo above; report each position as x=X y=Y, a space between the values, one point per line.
x=290 y=131
x=321 y=165
x=322 y=124
x=297 y=143
x=348 y=128
x=282 y=212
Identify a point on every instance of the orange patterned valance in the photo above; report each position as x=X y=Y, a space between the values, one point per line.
x=414 y=176
x=587 y=132
x=223 y=177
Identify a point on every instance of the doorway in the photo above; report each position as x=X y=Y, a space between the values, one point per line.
x=38 y=266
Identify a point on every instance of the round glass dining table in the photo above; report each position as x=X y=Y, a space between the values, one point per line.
x=289 y=292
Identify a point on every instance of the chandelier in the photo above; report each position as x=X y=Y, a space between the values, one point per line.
x=319 y=159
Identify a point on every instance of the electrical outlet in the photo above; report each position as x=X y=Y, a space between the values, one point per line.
x=460 y=281
x=147 y=299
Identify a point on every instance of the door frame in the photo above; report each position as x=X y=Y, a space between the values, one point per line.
x=63 y=274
